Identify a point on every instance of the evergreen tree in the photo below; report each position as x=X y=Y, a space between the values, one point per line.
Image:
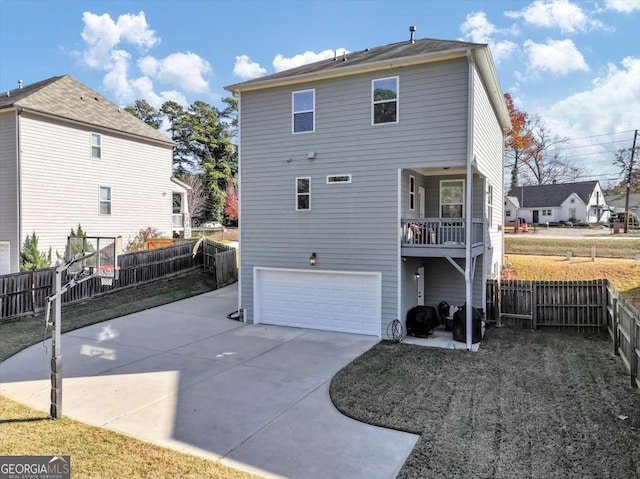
x=31 y=257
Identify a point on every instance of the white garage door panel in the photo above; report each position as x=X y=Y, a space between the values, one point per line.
x=329 y=300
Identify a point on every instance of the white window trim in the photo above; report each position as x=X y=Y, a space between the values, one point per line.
x=338 y=182
x=463 y=196
x=490 y=205
x=293 y=111
x=298 y=194
x=412 y=193
x=100 y=201
x=99 y=135
x=397 y=100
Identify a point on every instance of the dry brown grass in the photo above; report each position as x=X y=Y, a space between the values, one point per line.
x=98 y=453
x=623 y=273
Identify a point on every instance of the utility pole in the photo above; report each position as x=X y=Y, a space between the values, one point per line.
x=627 y=213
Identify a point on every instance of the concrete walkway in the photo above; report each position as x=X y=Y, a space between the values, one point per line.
x=183 y=376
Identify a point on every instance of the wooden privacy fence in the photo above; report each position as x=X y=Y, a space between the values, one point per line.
x=26 y=293
x=579 y=305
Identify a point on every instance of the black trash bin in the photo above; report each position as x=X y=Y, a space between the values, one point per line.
x=421 y=320
x=460 y=325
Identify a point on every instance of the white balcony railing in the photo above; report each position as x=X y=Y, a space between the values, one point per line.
x=439 y=232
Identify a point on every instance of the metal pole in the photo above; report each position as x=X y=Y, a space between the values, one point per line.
x=627 y=214
x=56 y=352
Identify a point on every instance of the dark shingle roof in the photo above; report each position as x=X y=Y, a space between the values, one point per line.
x=65 y=97
x=370 y=55
x=619 y=201
x=548 y=196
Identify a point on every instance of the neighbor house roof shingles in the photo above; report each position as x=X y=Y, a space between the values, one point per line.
x=541 y=196
x=66 y=98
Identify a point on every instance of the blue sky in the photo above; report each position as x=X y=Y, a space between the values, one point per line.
x=576 y=64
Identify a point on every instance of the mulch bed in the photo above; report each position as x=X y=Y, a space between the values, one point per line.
x=528 y=404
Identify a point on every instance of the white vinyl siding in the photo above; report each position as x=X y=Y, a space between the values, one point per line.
x=96 y=145
x=384 y=100
x=137 y=172
x=303 y=105
x=353 y=228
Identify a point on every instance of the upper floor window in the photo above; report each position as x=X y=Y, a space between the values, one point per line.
x=451 y=198
x=304 y=103
x=105 y=200
x=96 y=145
x=384 y=95
x=303 y=193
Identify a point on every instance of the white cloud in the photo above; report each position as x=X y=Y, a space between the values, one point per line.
x=280 y=62
x=561 y=14
x=624 y=6
x=612 y=104
x=184 y=70
x=478 y=29
x=246 y=69
x=107 y=47
x=555 y=56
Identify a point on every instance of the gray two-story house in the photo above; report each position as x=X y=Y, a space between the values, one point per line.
x=371 y=183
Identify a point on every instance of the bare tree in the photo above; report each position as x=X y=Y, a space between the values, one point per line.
x=544 y=162
x=623 y=162
x=197 y=195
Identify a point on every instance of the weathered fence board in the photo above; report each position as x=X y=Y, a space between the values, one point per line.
x=26 y=293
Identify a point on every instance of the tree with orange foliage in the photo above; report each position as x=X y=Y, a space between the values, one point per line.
x=231 y=204
x=519 y=139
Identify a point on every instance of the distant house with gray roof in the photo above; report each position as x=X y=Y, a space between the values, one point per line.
x=577 y=202
x=70 y=156
x=617 y=203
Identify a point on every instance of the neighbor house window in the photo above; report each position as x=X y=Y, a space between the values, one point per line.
x=412 y=193
x=384 y=92
x=303 y=194
x=96 y=145
x=105 y=200
x=546 y=212
x=508 y=212
x=303 y=111
x=490 y=205
x=451 y=198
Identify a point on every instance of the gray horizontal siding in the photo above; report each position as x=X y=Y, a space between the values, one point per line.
x=350 y=226
x=9 y=224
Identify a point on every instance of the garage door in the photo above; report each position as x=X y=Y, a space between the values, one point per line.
x=331 y=300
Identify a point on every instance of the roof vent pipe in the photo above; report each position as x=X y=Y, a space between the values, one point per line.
x=20 y=84
x=412 y=30
x=335 y=55
x=344 y=56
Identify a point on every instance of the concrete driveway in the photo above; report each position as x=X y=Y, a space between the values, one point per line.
x=183 y=376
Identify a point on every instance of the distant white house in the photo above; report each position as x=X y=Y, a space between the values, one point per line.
x=577 y=202
x=69 y=156
x=617 y=203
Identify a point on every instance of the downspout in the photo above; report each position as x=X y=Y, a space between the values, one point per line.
x=240 y=309
x=469 y=206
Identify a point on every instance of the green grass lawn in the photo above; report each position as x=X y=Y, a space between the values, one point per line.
x=528 y=404
x=605 y=248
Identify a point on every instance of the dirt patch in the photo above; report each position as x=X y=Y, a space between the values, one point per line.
x=527 y=404
x=24 y=332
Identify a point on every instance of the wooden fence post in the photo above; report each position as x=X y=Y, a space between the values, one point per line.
x=534 y=306
x=614 y=324
x=633 y=357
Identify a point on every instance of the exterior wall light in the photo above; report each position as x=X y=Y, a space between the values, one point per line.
x=417 y=275
x=312 y=259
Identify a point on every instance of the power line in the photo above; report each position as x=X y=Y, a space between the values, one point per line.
x=603 y=134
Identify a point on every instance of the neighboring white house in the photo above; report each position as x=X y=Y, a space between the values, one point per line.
x=384 y=167
x=69 y=156
x=576 y=202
